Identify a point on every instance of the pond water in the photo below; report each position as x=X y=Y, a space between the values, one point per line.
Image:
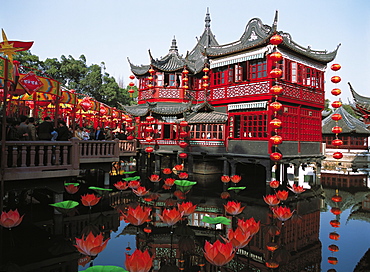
x=46 y=238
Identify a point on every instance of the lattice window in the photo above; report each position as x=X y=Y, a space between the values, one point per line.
x=290 y=129
x=250 y=125
x=257 y=69
x=310 y=125
x=207 y=131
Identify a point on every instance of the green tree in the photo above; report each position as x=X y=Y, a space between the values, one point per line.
x=75 y=74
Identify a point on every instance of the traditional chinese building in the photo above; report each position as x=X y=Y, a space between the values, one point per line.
x=361 y=105
x=353 y=169
x=213 y=107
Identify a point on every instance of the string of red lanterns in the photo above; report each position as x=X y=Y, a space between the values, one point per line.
x=276 y=90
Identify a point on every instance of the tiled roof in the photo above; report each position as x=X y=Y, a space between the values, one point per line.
x=161 y=108
x=207 y=117
x=348 y=123
x=361 y=101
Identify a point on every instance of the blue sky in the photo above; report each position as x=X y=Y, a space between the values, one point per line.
x=110 y=31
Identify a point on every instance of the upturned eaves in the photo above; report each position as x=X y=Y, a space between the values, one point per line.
x=362 y=102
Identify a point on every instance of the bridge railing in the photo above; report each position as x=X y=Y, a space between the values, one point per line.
x=42 y=159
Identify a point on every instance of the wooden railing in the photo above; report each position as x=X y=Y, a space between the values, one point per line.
x=48 y=159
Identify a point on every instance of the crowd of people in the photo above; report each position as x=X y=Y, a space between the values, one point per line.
x=26 y=129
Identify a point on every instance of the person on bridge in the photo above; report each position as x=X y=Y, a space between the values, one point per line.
x=63 y=131
x=99 y=134
x=46 y=130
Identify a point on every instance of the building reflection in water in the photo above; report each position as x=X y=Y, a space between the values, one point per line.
x=46 y=238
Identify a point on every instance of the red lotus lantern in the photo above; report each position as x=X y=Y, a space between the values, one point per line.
x=336 y=117
x=183 y=134
x=90 y=200
x=276 y=140
x=336 y=130
x=276 y=73
x=276 y=89
x=272 y=264
x=183 y=144
x=149 y=118
x=233 y=208
x=170 y=216
x=218 y=253
x=139 y=261
x=275 y=123
x=276 y=39
x=132 y=77
x=282 y=195
x=276 y=106
x=91 y=245
x=225 y=179
x=337 y=142
x=335 y=67
x=337 y=155
x=183 y=124
x=332 y=260
x=276 y=156
x=336 y=104
x=149 y=149
x=274 y=184
x=276 y=56
x=336 y=91
x=225 y=195
x=183 y=155
x=167 y=171
x=10 y=219
x=334 y=236
x=235 y=178
x=335 y=79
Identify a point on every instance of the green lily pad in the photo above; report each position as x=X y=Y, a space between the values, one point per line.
x=105 y=268
x=99 y=189
x=184 y=185
x=68 y=204
x=129 y=172
x=216 y=220
x=131 y=178
x=236 y=188
x=70 y=183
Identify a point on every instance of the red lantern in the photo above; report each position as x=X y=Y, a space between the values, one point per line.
x=336 y=198
x=336 y=117
x=337 y=142
x=335 y=211
x=337 y=155
x=272 y=246
x=332 y=260
x=150 y=78
x=336 y=91
x=276 y=106
x=276 y=156
x=276 y=89
x=333 y=248
x=276 y=56
x=185 y=79
x=149 y=149
x=150 y=86
x=151 y=71
x=86 y=104
x=276 y=123
x=336 y=130
x=149 y=139
x=335 y=223
x=183 y=144
x=130 y=137
x=335 y=67
x=183 y=134
x=131 y=84
x=185 y=72
x=276 y=140
x=335 y=79
x=183 y=155
x=205 y=77
x=276 y=39
x=183 y=124
x=132 y=77
x=336 y=104
x=148 y=230
x=149 y=129
x=276 y=73
x=130 y=128
x=205 y=69
x=129 y=120
x=131 y=91
x=149 y=118
x=334 y=236
x=272 y=264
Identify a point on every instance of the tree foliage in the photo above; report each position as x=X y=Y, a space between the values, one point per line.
x=90 y=80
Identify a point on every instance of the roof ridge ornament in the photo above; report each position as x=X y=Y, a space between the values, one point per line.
x=208 y=19
x=274 y=24
x=174 y=45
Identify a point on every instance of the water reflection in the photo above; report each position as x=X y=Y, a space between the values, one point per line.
x=320 y=232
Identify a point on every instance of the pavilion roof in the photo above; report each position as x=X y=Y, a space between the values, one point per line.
x=348 y=123
x=362 y=102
